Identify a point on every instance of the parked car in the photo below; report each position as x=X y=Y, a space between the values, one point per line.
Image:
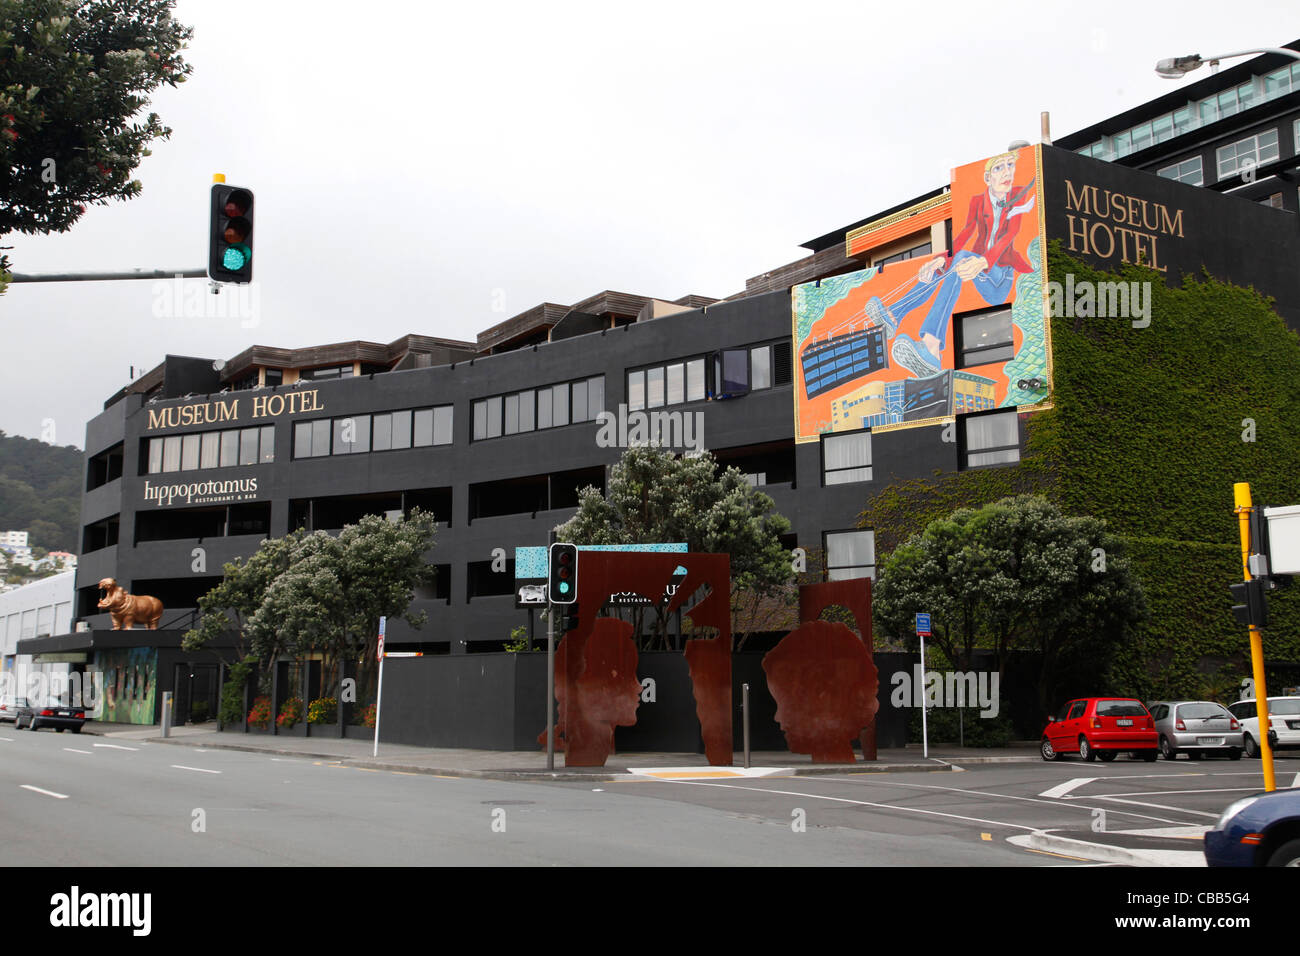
x=1263 y=830
x=1283 y=715
x=51 y=714
x=1101 y=728
x=9 y=707
x=1197 y=728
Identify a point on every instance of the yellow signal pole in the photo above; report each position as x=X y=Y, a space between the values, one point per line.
x=1241 y=497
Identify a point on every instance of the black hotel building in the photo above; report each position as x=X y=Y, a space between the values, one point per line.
x=196 y=462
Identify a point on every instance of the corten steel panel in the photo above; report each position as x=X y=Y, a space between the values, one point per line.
x=603 y=573
x=823 y=677
x=825 y=686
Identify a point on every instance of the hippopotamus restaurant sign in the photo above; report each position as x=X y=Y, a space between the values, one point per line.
x=229 y=410
x=211 y=492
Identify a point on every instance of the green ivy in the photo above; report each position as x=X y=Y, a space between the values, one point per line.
x=1148 y=430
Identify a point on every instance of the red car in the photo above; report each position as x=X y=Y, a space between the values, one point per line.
x=1101 y=727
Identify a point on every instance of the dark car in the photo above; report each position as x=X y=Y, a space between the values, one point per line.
x=1101 y=728
x=1263 y=830
x=51 y=714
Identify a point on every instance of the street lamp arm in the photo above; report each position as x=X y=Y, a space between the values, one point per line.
x=1180 y=66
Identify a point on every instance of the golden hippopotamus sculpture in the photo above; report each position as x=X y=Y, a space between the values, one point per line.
x=126 y=609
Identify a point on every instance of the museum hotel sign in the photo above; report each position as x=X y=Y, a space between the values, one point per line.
x=232 y=410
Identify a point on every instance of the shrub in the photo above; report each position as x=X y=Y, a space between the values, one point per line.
x=290 y=713
x=260 y=715
x=198 y=711
x=368 y=716
x=232 y=691
x=323 y=710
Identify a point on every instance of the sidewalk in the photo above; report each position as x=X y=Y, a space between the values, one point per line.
x=531 y=764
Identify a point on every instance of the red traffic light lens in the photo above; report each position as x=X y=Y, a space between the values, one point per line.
x=238 y=203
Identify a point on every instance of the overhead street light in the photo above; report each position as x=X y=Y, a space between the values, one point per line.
x=1179 y=66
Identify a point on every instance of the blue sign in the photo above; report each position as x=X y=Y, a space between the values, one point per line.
x=923 y=624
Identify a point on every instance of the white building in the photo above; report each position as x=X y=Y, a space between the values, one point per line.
x=40 y=608
x=16 y=539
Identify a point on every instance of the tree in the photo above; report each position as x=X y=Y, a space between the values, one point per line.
x=306 y=593
x=73 y=77
x=1015 y=575
x=656 y=497
x=335 y=589
x=231 y=605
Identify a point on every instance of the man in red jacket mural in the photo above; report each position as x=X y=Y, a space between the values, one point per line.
x=991 y=263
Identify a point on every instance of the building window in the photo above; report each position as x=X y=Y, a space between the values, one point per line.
x=672 y=384
x=210 y=454
x=311 y=439
x=273 y=376
x=731 y=373
x=1188 y=171
x=548 y=407
x=1274 y=201
x=323 y=374
x=923 y=249
x=1245 y=153
x=190 y=452
x=991 y=439
x=202 y=450
x=850 y=554
x=846 y=458
x=986 y=338
x=760 y=367
x=352 y=434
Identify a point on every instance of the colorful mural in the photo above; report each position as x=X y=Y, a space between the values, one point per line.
x=877 y=347
x=130 y=681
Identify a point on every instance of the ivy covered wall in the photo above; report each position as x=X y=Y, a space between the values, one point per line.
x=1150 y=428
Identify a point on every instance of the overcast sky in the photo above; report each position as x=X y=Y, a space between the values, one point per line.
x=436 y=168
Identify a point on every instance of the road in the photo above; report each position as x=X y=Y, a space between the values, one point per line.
x=79 y=800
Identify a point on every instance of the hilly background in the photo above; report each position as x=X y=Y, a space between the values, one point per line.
x=40 y=491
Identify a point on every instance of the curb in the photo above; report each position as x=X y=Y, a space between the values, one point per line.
x=370 y=763
x=1102 y=852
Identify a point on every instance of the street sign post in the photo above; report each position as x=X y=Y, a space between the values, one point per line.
x=922 y=632
x=379 y=694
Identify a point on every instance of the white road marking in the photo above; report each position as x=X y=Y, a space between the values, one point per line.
x=1012 y=796
x=1161 y=793
x=48 y=793
x=74 y=750
x=196 y=769
x=1158 y=806
x=860 y=803
x=9 y=739
x=116 y=747
x=1061 y=789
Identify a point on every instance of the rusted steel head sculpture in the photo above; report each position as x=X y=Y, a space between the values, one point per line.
x=586 y=686
x=823 y=678
x=125 y=609
x=825 y=686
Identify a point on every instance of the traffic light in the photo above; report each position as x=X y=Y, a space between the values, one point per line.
x=562 y=586
x=1252 y=606
x=230 y=234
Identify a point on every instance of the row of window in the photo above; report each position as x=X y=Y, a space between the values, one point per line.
x=220 y=449
x=1255 y=91
x=989 y=439
x=536 y=408
x=1232 y=158
x=384 y=431
x=729 y=373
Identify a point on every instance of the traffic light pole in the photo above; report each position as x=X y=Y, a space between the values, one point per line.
x=550 y=683
x=1242 y=499
x=106 y=276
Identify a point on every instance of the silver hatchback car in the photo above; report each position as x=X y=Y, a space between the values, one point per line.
x=1197 y=727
